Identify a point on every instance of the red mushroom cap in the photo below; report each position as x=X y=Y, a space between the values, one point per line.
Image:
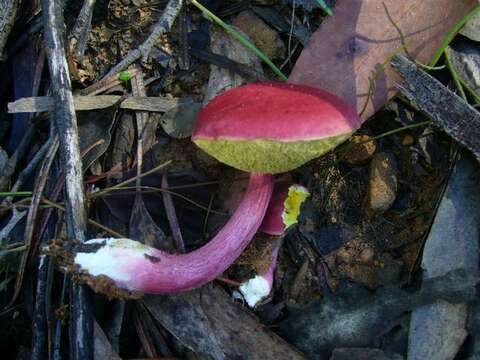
x=273 y=127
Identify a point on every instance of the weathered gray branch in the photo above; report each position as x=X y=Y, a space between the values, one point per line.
x=141 y=103
x=81 y=29
x=449 y=112
x=66 y=124
x=138 y=89
x=163 y=25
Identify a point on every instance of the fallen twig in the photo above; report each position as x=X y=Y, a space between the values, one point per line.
x=141 y=225
x=172 y=216
x=163 y=25
x=57 y=328
x=27 y=172
x=81 y=339
x=105 y=84
x=79 y=34
x=450 y=112
x=81 y=103
x=6 y=229
x=41 y=181
x=138 y=89
x=39 y=327
x=89 y=221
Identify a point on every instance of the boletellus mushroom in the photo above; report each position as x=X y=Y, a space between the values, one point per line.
x=264 y=129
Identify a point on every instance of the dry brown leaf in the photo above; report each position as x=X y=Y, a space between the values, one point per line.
x=349 y=46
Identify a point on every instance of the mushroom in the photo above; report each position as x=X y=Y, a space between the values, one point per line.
x=282 y=213
x=273 y=127
x=263 y=128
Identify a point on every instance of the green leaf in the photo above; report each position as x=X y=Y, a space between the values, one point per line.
x=124 y=76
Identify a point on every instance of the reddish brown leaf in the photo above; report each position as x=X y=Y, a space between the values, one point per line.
x=344 y=53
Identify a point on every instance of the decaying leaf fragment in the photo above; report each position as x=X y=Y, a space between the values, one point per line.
x=350 y=46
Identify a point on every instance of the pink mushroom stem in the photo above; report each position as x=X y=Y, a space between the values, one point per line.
x=136 y=267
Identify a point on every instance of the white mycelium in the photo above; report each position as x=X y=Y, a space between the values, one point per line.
x=255 y=289
x=112 y=259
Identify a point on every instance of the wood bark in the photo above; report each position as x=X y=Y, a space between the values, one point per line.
x=81 y=336
x=81 y=103
x=209 y=322
x=448 y=111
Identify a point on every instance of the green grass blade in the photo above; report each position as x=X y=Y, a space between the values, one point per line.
x=16 y=193
x=456 y=79
x=458 y=26
x=325 y=7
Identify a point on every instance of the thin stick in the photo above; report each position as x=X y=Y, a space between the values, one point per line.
x=90 y=221
x=138 y=89
x=172 y=217
x=229 y=281
x=162 y=190
x=15 y=218
x=40 y=184
x=105 y=84
x=79 y=35
x=57 y=331
x=126 y=182
x=39 y=328
x=66 y=124
x=27 y=172
x=352 y=145
x=163 y=25
x=292 y=25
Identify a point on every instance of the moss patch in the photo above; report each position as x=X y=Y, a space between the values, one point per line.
x=266 y=156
